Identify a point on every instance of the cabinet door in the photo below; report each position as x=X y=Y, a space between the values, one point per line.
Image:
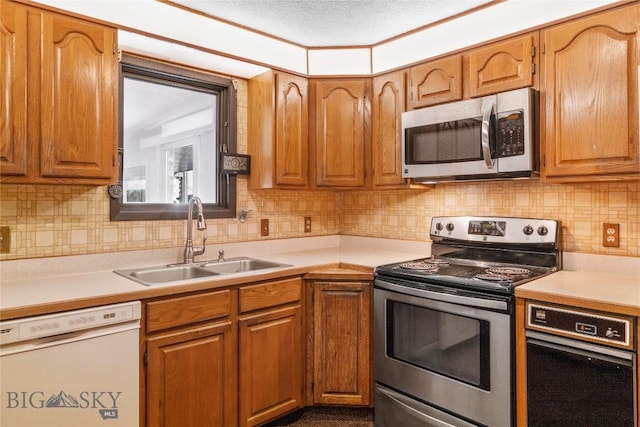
x=341 y=119
x=271 y=364
x=342 y=343
x=13 y=88
x=78 y=98
x=590 y=98
x=503 y=66
x=278 y=131
x=436 y=82
x=292 y=135
x=191 y=378
x=387 y=106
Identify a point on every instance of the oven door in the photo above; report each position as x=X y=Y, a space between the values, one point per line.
x=450 y=351
x=571 y=382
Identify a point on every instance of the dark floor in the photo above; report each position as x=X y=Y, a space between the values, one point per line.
x=326 y=417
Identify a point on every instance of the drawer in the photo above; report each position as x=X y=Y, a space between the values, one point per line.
x=186 y=310
x=270 y=294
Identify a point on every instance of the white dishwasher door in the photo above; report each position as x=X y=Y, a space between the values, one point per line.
x=72 y=369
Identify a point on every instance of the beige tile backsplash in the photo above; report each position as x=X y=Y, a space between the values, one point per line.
x=56 y=220
x=582 y=209
x=71 y=220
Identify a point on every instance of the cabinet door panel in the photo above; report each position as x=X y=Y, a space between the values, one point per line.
x=387 y=107
x=79 y=82
x=291 y=130
x=190 y=378
x=436 y=82
x=590 y=100
x=340 y=133
x=278 y=131
x=13 y=88
x=503 y=66
x=271 y=365
x=342 y=329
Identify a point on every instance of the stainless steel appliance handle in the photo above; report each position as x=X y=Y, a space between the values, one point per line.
x=486 y=148
x=444 y=297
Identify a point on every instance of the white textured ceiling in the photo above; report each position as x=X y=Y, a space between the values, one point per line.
x=320 y=23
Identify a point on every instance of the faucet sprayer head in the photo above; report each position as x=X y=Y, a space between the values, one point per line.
x=202 y=225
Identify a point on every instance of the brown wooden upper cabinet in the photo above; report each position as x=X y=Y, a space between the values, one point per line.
x=590 y=98
x=13 y=65
x=503 y=66
x=435 y=82
x=340 y=123
x=387 y=106
x=61 y=120
x=278 y=131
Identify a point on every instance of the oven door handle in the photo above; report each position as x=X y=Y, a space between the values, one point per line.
x=444 y=297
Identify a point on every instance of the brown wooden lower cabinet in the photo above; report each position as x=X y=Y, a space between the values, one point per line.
x=271 y=364
x=239 y=357
x=342 y=343
x=191 y=377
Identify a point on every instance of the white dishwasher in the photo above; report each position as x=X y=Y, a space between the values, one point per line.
x=76 y=368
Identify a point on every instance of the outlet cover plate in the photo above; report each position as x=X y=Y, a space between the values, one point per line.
x=611 y=235
x=5 y=239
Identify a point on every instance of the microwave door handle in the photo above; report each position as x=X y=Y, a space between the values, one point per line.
x=486 y=149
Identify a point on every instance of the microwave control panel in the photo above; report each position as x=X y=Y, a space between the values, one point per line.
x=510 y=134
x=603 y=328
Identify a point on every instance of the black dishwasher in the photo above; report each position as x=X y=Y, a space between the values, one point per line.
x=581 y=368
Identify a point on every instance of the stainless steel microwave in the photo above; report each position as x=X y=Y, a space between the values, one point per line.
x=493 y=137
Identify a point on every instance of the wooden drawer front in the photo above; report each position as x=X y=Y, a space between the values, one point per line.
x=270 y=294
x=187 y=310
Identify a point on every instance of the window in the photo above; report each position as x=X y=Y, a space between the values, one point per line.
x=174 y=123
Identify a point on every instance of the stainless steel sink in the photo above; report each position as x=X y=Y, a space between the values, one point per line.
x=182 y=273
x=239 y=265
x=166 y=274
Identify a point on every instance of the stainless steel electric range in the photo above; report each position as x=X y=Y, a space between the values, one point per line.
x=444 y=326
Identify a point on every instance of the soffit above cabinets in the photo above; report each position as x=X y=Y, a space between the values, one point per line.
x=195 y=38
x=323 y=23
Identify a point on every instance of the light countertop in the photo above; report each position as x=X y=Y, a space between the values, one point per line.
x=617 y=293
x=38 y=286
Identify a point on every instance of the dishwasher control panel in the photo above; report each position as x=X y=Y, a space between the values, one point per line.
x=603 y=328
x=12 y=331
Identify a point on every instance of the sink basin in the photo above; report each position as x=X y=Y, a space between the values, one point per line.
x=166 y=274
x=179 y=273
x=239 y=265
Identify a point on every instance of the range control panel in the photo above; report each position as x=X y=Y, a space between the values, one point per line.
x=505 y=230
x=603 y=328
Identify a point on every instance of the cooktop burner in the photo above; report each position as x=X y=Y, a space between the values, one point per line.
x=493 y=277
x=419 y=266
x=509 y=271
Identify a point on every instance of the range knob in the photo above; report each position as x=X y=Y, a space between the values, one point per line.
x=528 y=230
x=543 y=231
x=450 y=227
x=439 y=226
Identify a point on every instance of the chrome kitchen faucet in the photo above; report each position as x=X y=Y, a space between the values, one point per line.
x=189 y=250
